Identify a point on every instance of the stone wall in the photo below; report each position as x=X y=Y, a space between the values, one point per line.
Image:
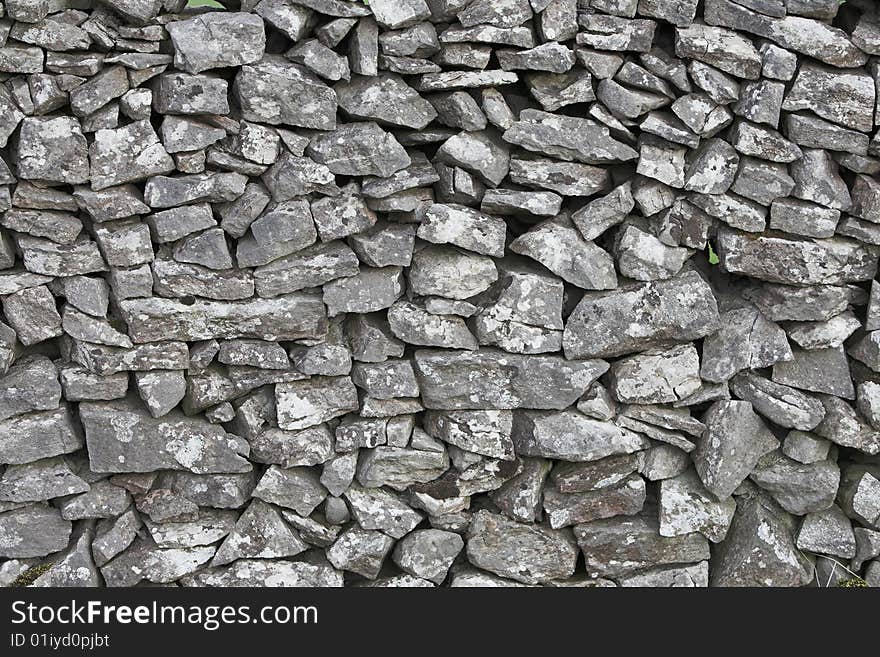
x=440 y=292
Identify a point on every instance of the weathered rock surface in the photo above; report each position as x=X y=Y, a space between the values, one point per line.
x=426 y=293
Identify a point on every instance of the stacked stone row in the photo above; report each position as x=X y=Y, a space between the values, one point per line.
x=440 y=292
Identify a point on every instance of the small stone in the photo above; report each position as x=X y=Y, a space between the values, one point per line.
x=31 y=312
x=827 y=532
x=127 y=154
x=734 y=440
x=686 y=506
x=656 y=376
x=428 y=553
x=302 y=404
x=53 y=150
x=798 y=487
x=619 y=546
x=33 y=531
x=527 y=553
x=277 y=91
x=360 y=551
x=217 y=40
x=759 y=549
x=478 y=152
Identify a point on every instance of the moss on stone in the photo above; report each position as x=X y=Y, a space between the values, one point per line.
x=854 y=583
x=28 y=577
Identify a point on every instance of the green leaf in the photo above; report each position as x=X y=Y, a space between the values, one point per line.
x=713 y=257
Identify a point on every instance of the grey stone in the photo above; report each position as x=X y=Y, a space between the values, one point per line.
x=31 y=312
x=172 y=442
x=558 y=245
x=817 y=370
x=759 y=549
x=778 y=403
x=343 y=215
x=686 y=506
x=247 y=572
x=102 y=500
x=846 y=98
x=843 y=426
x=623 y=545
x=31 y=384
x=400 y=467
x=360 y=551
x=53 y=150
x=526 y=553
x=295 y=316
x=746 y=340
x=448 y=381
x=481 y=153
x=128 y=154
x=799 y=488
x=795 y=261
x=734 y=440
x=646 y=315
x=567 y=138
x=274 y=91
x=302 y=404
x=428 y=553
x=827 y=532
x=41 y=480
x=260 y=532
x=805 y=447
x=217 y=40
x=33 y=531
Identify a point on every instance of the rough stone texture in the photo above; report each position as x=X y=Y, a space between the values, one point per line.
x=439 y=293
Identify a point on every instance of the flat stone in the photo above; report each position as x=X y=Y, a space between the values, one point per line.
x=567 y=138
x=171 y=442
x=530 y=554
x=817 y=370
x=795 y=261
x=734 y=440
x=128 y=154
x=33 y=531
x=277 y=91
x=559 y=246
x=302 y=404
x=447 y=380
x=780 y=404
x=53 y=150
x=846 y=98
x=297 y=315
x=254 y=572
x=759 y=549
x=217 y=40
x=650 y=315
x=571 y=436
x=566 y=509
x=620 y=546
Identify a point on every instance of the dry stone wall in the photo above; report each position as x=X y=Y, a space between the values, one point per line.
x=440 y=292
